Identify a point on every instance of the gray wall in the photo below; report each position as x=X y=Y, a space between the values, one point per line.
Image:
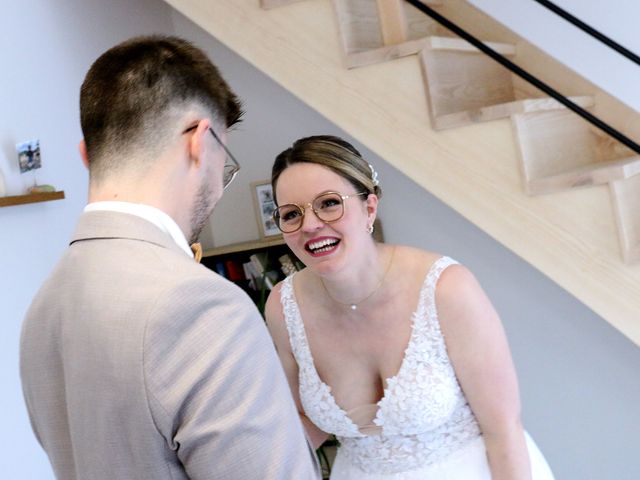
x=579 y=392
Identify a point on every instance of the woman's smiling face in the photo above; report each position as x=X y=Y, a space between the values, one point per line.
x=324 y=247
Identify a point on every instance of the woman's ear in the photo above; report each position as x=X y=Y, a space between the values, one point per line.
x=372 y=207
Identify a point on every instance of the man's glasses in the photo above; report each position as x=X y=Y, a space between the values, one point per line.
x=231 y=165
x=328 y=207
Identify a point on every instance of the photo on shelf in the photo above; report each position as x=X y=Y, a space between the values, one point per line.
x=29 y=155
x=264 y=205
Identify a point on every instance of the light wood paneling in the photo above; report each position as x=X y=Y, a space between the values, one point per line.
x=460 y=82
x=465 y=86
x=626 y=201
x=393 y=21
x=363 y=33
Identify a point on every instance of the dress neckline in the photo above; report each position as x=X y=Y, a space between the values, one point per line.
x=415 y=317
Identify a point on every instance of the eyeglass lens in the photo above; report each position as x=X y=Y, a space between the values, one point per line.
x=231 y=165
x=328 y=207
x=230 y=172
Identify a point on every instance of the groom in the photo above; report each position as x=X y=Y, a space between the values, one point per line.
x=136 y=361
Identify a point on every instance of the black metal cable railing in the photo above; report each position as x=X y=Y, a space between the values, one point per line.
x=590 y=30
x=589 y=117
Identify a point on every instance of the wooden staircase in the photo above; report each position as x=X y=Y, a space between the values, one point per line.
x=576 y=238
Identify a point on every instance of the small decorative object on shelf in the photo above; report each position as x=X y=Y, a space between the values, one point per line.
x=41 y=189
x=29 y=159
x=29 y=155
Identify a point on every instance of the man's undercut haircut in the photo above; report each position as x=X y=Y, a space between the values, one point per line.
x=134 y=90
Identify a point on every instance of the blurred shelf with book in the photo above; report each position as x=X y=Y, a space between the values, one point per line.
x=254 y=266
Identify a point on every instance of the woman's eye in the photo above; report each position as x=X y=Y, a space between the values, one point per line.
x=329 y=202
x=290 y=215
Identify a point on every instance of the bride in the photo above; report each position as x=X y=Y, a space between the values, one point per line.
x=397 y=351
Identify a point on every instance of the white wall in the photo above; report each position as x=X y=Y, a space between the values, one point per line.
x=592 y=59
x=578 y=376
x=46 y=48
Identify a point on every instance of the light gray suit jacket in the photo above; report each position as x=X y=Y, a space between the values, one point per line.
x=138 y=363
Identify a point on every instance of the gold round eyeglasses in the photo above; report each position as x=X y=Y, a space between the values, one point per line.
x=328 y=207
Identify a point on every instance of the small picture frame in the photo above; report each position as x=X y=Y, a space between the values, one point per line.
x=29 y=155
x=264 y=205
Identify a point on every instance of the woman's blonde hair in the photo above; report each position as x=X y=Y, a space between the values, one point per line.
x=332 y=152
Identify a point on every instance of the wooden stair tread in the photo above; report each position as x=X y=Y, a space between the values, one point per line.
x=465 y=86
x=587 y=175
x=530 y=105
x=625 y=196
x=435 y=42
x=505 y=110
x=368 y=38
x=383 y=54
x=554 y=143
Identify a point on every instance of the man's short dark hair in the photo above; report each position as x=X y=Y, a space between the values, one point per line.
x=131 y=89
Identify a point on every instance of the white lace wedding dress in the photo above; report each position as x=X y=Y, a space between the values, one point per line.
x=422 y=428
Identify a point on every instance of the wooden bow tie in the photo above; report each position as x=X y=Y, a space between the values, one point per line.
x=196 y=248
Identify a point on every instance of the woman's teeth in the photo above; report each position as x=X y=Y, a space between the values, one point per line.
x=322 y=245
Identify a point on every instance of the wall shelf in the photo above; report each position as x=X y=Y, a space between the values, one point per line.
x=254 y=266
x=30 y=198
x=244 y=246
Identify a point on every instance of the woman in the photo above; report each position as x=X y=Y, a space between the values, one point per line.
x=369 y=363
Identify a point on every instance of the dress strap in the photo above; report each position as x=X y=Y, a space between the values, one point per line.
x=428 y=289
x=439 y=266
x=293 y=321
x=426 y=322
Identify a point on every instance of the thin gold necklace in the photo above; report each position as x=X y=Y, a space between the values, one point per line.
x=354 y=305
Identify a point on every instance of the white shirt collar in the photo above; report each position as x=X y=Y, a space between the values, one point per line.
x=156 y=216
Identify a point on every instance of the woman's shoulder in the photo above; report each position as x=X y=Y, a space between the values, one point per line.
x=415 y=259
x=273 y=312
x=416 y=264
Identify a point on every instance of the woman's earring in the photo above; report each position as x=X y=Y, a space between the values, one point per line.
x=370 y=229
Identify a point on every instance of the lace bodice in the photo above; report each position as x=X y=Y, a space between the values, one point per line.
x=423 y=415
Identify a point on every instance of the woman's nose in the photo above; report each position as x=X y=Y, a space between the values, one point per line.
x=310 y=221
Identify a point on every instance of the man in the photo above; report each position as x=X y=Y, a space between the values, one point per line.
x=136 y=361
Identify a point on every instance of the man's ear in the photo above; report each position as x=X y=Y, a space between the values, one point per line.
x=82 y=148
x=197 y=141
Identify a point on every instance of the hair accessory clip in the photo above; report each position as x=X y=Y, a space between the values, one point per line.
x=374 y=176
